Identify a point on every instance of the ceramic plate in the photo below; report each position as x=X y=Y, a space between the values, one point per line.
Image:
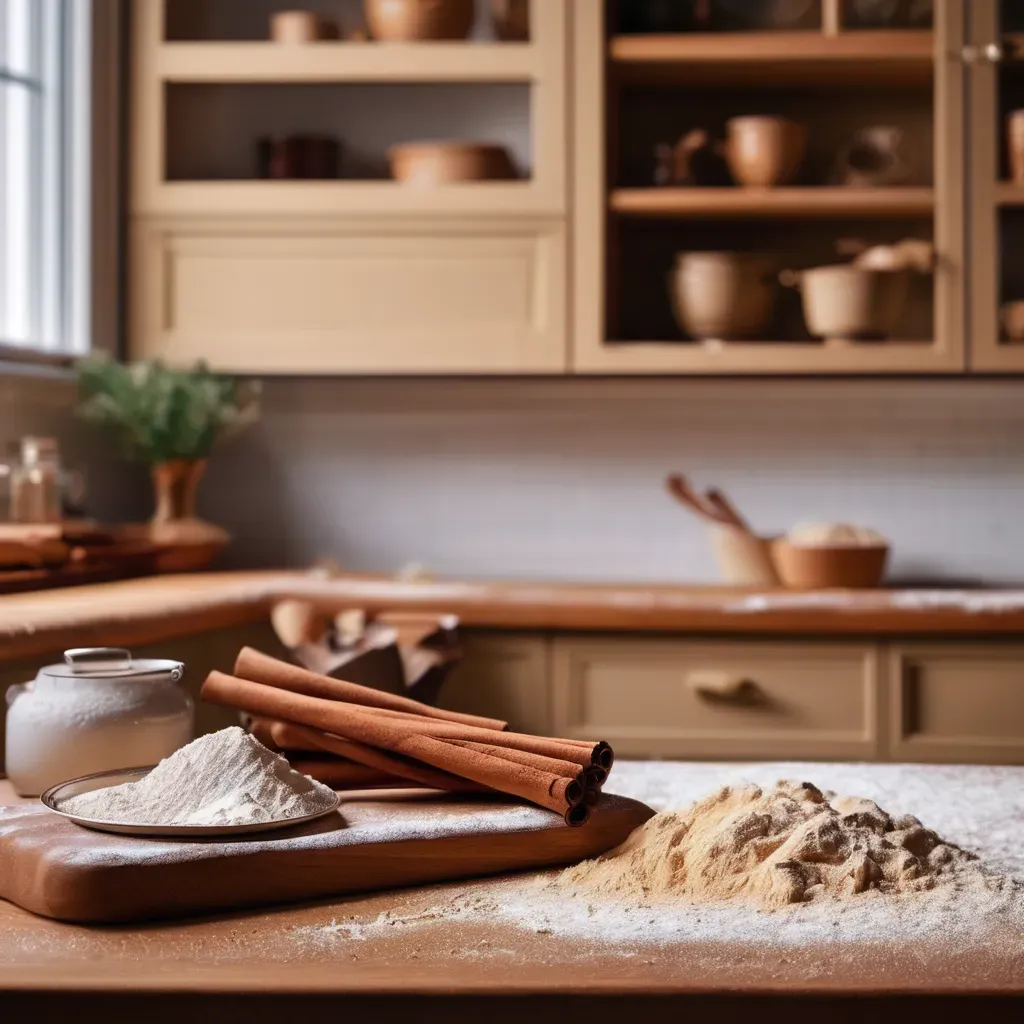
x=53 y=797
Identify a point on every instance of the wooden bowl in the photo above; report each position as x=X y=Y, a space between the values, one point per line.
x=818 y=568
x=440 y=163
x=414 y=21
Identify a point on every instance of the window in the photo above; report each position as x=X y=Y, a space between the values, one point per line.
x=46 y=175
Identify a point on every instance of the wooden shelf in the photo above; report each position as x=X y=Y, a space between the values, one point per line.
x=781 y=58
x=769 y=357
x=348 y=62
x=797 y=202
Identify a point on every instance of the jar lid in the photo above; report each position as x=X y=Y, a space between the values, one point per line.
x=114 y=664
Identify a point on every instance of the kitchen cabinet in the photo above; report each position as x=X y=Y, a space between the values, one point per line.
x=359 y=274
x=564 y=271
x=956 y=702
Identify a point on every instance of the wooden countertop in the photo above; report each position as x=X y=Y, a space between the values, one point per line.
x=409 y=951
x=162 y=607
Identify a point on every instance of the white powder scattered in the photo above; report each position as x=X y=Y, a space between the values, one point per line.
x=980 y=809
x=225 y=778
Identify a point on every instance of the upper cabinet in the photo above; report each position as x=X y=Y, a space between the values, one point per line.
x=746 y=173
x=284 y=218
x=994 y=54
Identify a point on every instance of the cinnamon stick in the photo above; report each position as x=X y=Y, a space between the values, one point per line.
x=555 y=766
x=261 y=668
x=299 y=737
x=340 y=774
x=545 y=789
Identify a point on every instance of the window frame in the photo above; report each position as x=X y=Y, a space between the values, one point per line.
x=92 y=232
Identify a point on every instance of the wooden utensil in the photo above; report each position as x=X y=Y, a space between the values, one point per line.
x=725 y=509
x=52 y=867
x=681 y=490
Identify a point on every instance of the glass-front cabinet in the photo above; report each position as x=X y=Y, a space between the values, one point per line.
x=994 y=55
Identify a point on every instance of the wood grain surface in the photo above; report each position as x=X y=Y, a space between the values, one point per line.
x=58 y=869
x=136 y=612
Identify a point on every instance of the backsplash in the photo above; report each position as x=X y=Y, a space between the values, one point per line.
x=563 y=478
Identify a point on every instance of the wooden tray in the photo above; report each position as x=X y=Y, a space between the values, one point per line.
x=52 y=867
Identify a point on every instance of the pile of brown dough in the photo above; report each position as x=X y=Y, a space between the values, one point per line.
x=789 y=844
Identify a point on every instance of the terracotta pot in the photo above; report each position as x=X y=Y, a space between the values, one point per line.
x=511 y=20
x=186 y=541
x=764 y=151
x=726 y=295
x=813 y=568
x=437 y=163
x=407 y=21
x=848 y=302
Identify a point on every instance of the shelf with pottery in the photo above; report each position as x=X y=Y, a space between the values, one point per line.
x=782 y=201
x=849 y=58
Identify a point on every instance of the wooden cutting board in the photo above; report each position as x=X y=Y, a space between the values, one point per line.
x=52 y=867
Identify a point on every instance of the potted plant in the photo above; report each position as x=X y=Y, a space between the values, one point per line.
x=170 y=419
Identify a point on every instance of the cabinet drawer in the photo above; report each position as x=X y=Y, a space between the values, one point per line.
x=715 y=699
x=957 y=702
x=352 y=296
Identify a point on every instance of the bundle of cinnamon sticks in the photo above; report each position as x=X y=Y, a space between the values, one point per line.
x=351 y=736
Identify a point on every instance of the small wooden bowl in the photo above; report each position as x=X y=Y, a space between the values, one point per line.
x=415 y=21
x=820 y=568
x=439 y=163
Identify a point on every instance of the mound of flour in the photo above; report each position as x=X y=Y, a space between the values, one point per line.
x=788 y=844
x=225 y=778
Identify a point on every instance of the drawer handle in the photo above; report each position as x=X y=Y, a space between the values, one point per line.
x=722 y=686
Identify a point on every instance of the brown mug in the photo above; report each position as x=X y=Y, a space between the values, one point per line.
x=764 y=151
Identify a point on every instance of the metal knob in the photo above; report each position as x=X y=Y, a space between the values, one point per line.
x=970 y=53
x=994 y=52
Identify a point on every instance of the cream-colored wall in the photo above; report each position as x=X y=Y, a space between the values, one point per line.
x=563 y=479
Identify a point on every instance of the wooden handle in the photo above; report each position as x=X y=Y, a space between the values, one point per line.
x=720 y=686
x=725 y=510
x=685 y=495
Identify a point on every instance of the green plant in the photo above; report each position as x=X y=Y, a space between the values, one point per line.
x=162 y=413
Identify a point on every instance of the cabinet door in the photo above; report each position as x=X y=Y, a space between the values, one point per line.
x=503 y=675
x=994 y=56
x=637 y=92
x=718 y=699
x=962 y=703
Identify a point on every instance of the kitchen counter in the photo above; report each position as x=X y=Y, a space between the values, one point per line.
x=502 y=947
x=136 y=612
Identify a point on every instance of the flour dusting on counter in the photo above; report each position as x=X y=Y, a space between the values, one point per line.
x=225 y=778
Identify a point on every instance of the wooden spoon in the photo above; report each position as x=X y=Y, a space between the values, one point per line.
x=685 y=495
x=726 y=510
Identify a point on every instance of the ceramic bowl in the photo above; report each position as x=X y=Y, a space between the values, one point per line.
x=763 y=152
x=814 y=568
x=849 y=302
x=410 y=21
x=744 y=559
x=723 y=295
x=438 y=163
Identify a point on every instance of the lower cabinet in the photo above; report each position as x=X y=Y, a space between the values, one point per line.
x=956 y=702
x=697 y=699
x=739 y=698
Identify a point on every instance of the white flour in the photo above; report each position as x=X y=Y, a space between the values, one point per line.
x=226 y=778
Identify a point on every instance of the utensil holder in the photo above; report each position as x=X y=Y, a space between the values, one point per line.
x=744 y=559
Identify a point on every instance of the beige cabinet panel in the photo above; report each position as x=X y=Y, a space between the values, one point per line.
x=356 y=296
x=652 y=698
x=956 y=702
x=503 y=675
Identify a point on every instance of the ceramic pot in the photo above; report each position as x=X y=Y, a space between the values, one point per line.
x=408 y=21
x=873 y=157
x=438 y=163
x=1012 y=318
x=764 y=151
x=301 y=27
x=844 y=301
x=511 y=20
x=722 y=295
x=186 y=542
x=744 y=558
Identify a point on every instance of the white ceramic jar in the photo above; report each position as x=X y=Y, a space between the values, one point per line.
x=99 y=711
